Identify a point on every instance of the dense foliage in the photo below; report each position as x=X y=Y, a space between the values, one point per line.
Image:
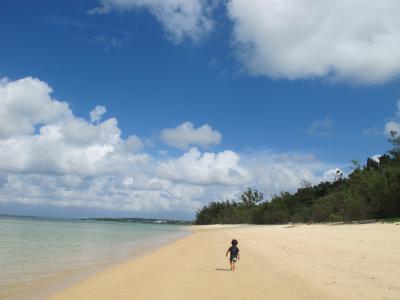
x=370 y=192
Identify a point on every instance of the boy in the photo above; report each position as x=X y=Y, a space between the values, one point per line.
x=234 y=254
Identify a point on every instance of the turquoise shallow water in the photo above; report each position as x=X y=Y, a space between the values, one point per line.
x=33 y=248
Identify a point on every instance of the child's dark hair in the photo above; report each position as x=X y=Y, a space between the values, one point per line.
x=234 y=242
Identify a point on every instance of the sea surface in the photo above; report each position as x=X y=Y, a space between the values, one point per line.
x=33 y=249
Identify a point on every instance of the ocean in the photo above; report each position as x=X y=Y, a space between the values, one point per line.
x=33 y=249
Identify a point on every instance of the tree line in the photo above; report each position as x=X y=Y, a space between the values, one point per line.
x=371 y=191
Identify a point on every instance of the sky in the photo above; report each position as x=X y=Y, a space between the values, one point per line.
x=154 y=108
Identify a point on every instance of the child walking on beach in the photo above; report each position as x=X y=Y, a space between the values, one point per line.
x=234 y=254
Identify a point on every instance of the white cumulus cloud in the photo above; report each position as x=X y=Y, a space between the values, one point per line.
x=25 y=103
x=376 y=158
x=394 y=124
x=275 y=172
x=49 y=156
x=354 y=40
x=97 y=113
x=205 y=168
x=181 y=19
x=186 y=135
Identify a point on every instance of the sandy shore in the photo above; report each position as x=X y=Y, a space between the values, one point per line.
x=277 y=262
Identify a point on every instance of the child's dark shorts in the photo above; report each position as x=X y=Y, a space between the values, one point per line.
x=233 y=259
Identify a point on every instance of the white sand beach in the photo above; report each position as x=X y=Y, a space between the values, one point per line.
x=357 y=261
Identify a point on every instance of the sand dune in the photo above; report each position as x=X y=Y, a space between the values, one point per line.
x=277 y=262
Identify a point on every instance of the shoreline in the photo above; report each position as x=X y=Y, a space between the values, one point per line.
x=48 y=285
x=346 y=261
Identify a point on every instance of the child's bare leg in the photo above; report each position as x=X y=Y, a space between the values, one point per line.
x=233 y=266
x=231 y=263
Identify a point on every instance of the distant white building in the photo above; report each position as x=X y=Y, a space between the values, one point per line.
x=160 y=221
x=376 y=158
x=338 y=175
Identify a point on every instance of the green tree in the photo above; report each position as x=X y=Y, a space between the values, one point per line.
x=370 y=192
x=251 y=197
x=395 y=141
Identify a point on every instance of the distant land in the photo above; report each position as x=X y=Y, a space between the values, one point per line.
x=121 y=220
x=140 y=220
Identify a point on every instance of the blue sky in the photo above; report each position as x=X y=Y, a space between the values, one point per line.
x=133 y=58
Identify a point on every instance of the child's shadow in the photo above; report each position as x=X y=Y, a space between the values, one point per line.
x=221 y=269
